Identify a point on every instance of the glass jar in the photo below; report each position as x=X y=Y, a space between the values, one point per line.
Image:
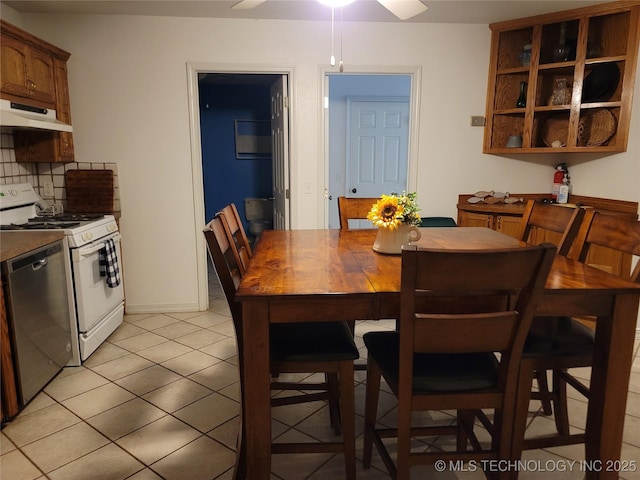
x=561 y=92
x=525 y=56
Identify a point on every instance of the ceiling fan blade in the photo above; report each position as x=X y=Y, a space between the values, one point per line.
x=404 y=9
x=247 y=4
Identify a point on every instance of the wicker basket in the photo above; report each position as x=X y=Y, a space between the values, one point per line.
x=555 y=131
x=596 y=127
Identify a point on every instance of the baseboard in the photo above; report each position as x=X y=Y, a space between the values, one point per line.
x=161 y=308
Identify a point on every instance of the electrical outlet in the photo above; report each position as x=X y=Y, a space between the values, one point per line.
x=308 y=187
x=48 y=189
x=477 y=121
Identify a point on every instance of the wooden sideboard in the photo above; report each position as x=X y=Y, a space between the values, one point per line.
x=506 y=218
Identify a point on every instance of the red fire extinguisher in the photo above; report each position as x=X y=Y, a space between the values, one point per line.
x=561 y=170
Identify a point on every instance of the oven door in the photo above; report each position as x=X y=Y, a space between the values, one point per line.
x=94 y=298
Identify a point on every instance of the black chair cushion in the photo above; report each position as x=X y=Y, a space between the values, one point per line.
x=312 y=342
x=434 y=372
x=558 y=336
x=437 y=222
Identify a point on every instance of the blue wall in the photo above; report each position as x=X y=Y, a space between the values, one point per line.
x=227 y=179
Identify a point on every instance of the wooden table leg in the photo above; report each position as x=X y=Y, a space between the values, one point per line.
x=257 y=404
x=609 y=385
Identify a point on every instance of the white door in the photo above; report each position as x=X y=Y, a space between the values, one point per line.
x=280 y=154
x=378 y=143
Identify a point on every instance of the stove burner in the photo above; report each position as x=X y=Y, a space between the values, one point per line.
x=31 y=225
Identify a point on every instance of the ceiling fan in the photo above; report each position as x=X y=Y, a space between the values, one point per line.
x=403 y=9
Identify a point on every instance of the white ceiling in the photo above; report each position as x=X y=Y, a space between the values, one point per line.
x=440 y=11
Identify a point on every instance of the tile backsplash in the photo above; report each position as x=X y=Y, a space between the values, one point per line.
x=38 y=174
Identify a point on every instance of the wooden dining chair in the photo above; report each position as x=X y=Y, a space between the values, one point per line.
x=571 y=344
x=442 y=357
x=549 y=222
x=354 y=209
x=557 y=224
x=242 y=253
x=234 y=228
x=311 y=347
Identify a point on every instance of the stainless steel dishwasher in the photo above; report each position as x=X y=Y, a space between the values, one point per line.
x=39 y=317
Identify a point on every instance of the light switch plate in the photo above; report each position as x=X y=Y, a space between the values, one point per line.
x=477 y=121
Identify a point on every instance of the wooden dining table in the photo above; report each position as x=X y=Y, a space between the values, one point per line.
x=333 y=275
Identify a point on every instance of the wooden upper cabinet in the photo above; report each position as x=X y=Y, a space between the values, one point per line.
x=575 y=73
x=27 y=72
x=35 y=72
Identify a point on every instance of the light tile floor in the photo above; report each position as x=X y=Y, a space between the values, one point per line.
x=159 y=400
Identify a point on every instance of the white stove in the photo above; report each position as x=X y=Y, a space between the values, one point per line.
x=97 y=305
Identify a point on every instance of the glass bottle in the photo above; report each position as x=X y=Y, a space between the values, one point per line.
x=561 y=50
x=522 y=99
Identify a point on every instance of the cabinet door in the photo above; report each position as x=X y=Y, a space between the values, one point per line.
x=473 y=219
x=27 y=72
x=508 y=224
x=40 y=79
x=34 y=146
x=14 y=61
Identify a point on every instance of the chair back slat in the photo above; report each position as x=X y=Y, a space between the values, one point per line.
x=619 y=234
x=353 y=209
x=496 y=330
x=545 y=222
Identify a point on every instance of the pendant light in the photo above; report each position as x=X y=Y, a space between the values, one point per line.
x=336 y=4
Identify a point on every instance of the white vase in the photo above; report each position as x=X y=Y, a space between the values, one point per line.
x=391 y=241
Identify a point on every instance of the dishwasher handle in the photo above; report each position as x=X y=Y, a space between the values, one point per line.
x=38 y=264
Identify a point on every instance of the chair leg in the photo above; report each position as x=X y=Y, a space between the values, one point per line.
x=347 y=401
x=370 y=410
x=240 y=467
x=543 y=388
x=523 y=395
x=560 y=410
x=465 y=421
x=403 y=458
x=334 y=402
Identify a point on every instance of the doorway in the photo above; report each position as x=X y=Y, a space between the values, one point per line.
x=235 y=124
x=244 y=79
x=367 y=136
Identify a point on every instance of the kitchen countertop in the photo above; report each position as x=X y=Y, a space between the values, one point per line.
x=15 y=243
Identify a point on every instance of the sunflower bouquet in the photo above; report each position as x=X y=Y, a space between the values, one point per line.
x=393 y=210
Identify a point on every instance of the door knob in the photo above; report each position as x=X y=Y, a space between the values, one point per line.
x=354 y=190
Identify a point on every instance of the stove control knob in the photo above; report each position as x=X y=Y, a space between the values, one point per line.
x=112 y=227
x=13 y=192
x=87 y=236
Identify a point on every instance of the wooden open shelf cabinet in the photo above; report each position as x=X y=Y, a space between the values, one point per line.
x=603 y=39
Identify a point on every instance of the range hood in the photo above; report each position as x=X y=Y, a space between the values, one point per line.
x=22 y=116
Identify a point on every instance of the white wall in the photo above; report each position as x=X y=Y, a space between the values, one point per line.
x=129 y=101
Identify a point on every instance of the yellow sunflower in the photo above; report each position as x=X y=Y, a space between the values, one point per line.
x=386 y=212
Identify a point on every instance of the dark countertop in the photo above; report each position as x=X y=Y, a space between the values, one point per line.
x=15 y=243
